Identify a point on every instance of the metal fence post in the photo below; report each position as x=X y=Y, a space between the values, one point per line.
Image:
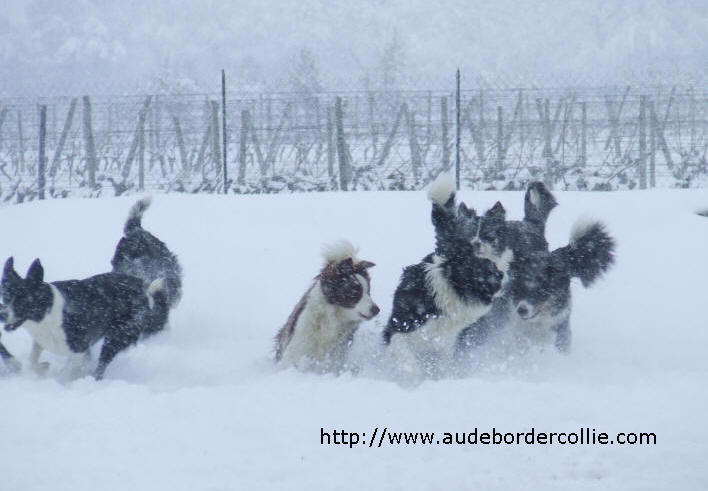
x=457 y=132
x=42 y=144
x=223 y=127
x=642 y=142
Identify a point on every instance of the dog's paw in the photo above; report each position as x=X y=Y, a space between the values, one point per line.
x=40 y=368
x=12 y=364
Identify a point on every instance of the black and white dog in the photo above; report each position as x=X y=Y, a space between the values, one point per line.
x=68 y=317
x=535 y=305
x=319 y=331
x=139 y=253
x=447 y=291
x=498 y=239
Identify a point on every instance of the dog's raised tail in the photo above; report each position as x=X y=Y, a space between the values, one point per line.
x=135 y=217
x=442 y=190
x=591 y=250
x=157 y=301
x=538 y=203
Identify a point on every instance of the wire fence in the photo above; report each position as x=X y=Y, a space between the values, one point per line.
x=572 y=138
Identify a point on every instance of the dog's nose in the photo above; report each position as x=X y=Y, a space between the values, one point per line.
x=523 y=310
x=375 y=310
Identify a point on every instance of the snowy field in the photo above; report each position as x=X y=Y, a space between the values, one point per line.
x=201 y=406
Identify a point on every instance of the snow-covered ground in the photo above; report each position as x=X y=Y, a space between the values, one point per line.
x=201 y=407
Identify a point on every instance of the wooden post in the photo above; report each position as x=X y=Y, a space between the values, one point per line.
x=522 y=128
x=21 y=165
x=457 y=135
x=245 y=117
x=42 y=145
x=158 y=124
x=372 y=125
x=500 y=139
x=341 y=148
x=389 y=141
x=445 y=146
x=275 y=141
x=652 y=147
x=330 y=147
x=692 y=117
x=91 y=160
x=416 y=160
x=62 y=139
x=642 y=142
x=355 y=125
x=141 y=158
x=180 y=145
x=429 y=130
x=136 y=137
x=584 y=135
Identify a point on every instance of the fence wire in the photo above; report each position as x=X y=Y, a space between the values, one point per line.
x=575 y=138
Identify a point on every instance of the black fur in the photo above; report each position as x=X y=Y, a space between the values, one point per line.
x=540 y=288
x=110 y=306
x=139 y=253
x=526 y=240
x=472 y=278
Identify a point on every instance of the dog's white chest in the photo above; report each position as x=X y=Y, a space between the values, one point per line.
x=48 y=332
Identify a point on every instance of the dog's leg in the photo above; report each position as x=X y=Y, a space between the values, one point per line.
x=35 y=365
x=406 y=364
x=563 y=335
x=114 y=344
x=75 y=366
x=10 y=361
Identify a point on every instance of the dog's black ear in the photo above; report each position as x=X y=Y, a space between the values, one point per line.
x=496 y=212
x=9 y=267
x=466 y=212
x=35 y=273
x=538 y=203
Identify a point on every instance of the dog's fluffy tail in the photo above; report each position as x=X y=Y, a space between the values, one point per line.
x=442 y=190
x=590 y=252
x=157 y=301
x=442 y=194
x=136 y=215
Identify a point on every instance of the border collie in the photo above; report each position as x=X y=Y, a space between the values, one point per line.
x=538 y=303
x=68 y=317
x=512 y=243
x=447 y=291
x=139 y=253
x=320 y=329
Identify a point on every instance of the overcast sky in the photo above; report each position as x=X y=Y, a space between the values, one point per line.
x=85 y=43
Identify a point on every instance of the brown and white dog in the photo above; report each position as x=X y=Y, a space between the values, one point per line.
x=319 y=331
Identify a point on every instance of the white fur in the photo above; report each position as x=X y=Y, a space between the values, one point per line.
x=537 y=329
x=534 y=198
x=580 y=227
x=48 y=332
x=502 y=261
x=154 y=287
x=339 y=251
x=137 y=210
x=442 y=188
x=12 y=364
x=323 y=332
x=435 y=340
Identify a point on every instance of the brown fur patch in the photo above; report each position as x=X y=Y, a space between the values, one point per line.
x=285 y=334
